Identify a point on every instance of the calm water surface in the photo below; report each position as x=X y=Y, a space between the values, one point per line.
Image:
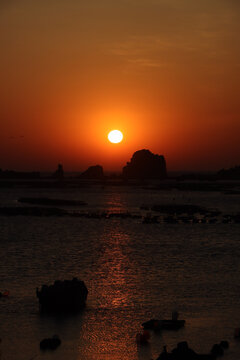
x=133 y=271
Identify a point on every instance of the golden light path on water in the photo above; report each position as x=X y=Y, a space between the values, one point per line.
x=110 y=337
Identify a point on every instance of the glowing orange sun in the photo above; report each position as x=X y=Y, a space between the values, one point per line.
x=115 y=136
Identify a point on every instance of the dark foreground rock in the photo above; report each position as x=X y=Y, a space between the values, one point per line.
x=63 y=296
x=50 y=343
x=184 y=352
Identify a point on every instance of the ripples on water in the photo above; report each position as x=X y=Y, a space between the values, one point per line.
x=133 y=271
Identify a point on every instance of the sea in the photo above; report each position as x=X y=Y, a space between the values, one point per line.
x=135 y=270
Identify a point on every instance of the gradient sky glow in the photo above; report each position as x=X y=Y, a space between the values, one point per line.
x=164 y=72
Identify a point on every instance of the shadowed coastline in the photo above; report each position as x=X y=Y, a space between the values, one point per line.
x=143 y=167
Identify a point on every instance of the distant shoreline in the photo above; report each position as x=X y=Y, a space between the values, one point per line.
x=178 y=183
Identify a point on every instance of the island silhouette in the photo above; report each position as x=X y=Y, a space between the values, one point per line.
x=145 y=165
x=93 y=172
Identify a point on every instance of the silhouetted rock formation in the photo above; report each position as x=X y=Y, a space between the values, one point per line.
x=229 y=174
x=59 y=173
x=93 y=172
x=145 y=165
x=184 y=352
x=62 y=296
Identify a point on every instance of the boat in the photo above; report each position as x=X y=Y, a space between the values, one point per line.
x=171 y=324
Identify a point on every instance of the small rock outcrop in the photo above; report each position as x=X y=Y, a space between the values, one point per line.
x=229 y=174
x=93 y=173
x=50 y=343
x=59 y=173
x=63 y=296
x=145 y=165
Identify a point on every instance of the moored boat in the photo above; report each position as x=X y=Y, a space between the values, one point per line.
x=171 y=324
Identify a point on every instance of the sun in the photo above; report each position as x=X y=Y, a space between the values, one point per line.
x=115 y=136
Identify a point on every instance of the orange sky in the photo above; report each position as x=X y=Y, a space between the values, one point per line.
x=164 y=72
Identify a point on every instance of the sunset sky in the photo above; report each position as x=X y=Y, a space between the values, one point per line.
x=164 y=72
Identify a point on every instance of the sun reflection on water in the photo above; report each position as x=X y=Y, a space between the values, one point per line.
x=109 y=328
x=113 y=269
x=117 y=202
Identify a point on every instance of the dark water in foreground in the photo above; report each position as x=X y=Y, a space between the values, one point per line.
x=133 y=271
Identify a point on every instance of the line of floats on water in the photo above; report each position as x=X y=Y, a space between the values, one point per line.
x=146 y=218
x=147 y=214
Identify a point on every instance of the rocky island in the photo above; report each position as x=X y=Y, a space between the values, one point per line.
x=63 y=296
x=145 y=165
